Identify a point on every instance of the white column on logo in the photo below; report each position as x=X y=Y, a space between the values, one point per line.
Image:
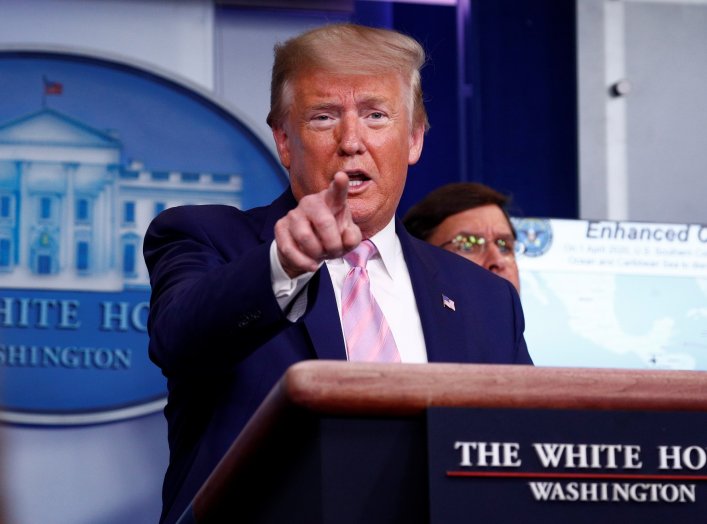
x=67 y=263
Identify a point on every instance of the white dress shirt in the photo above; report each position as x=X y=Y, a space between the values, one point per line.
x=390 y=285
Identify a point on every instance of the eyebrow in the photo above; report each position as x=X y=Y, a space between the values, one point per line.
x=374 y=100
x=498 y=235
x=365 y=102
x=324 y=106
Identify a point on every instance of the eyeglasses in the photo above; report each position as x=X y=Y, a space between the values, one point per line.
x=477 y=245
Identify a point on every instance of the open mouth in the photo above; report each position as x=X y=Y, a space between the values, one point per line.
x=356 y=179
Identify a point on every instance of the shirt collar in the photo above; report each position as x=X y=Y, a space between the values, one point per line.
x=388 y=246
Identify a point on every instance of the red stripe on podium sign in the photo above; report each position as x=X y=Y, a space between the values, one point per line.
x=580 y=476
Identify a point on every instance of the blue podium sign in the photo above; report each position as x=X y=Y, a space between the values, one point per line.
x=506 y=465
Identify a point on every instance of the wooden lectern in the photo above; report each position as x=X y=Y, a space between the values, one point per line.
x=339 y=442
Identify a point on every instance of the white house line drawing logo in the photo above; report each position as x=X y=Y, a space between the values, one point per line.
x=81 y=178
x=73 y=211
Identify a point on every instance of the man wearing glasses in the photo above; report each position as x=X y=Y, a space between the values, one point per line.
x=471 y=220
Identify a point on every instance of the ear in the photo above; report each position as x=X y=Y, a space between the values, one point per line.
x=282 y=143
x=417 y=138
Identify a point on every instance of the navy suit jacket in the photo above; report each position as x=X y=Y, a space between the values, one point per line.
x=222 y=341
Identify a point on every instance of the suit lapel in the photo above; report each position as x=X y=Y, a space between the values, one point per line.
x=444 y=331
x=322 y=319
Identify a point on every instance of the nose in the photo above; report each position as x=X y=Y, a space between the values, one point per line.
x=351 y=140
x=494 y=260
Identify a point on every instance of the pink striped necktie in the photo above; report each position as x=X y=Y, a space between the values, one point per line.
x=368 y=336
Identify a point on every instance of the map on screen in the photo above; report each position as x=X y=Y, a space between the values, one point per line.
x=614 y=294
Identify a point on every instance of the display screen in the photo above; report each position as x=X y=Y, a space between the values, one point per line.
x=614 y=294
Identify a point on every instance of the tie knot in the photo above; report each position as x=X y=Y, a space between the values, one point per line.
x=359 y=256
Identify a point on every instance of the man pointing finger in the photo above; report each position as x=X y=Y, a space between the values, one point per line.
x=326 y=270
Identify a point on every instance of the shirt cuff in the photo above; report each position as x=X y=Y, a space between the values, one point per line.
x=288 y=290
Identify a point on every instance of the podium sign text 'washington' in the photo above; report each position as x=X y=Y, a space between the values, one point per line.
x=566 y=466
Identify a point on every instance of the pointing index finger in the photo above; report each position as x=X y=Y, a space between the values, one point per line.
x=337 y=192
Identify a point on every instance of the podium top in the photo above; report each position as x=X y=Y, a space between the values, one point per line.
x=347 y=388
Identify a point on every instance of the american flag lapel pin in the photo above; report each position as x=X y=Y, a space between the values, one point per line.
x=448 y=302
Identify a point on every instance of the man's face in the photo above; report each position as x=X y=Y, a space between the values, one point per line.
x=359 y=124
x=490 y=223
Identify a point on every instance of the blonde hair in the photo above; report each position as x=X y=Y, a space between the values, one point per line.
x=346 y=49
